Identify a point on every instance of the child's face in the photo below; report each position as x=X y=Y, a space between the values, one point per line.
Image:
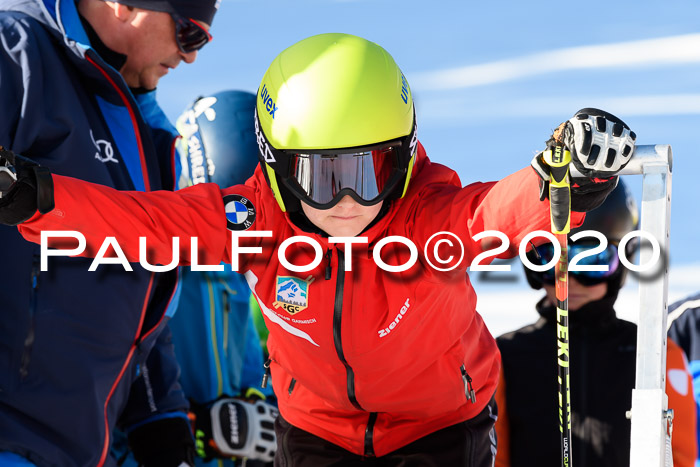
x=346 y=219
x=579 y=295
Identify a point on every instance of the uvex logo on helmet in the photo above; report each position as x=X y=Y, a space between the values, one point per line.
x=404 y=89
x=268 y=103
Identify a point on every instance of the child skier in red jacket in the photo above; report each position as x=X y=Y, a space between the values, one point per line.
x=376 y=349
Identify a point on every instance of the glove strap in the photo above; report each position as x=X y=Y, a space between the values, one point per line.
x=44 y=189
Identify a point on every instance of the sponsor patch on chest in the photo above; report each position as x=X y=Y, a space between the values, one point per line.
x=292 y=293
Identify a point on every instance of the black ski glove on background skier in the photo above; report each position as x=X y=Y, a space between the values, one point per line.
x=601 y=145
x=25 y=187
x=167 y=442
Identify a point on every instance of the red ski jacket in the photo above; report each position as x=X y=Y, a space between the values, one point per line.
x=368 y=359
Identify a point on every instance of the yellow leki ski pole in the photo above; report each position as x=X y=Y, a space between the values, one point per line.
x=558 y=159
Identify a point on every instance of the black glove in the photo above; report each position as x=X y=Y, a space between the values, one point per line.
x=166 y=442
x=233 y=427
x=600 y=145
x=25 y=187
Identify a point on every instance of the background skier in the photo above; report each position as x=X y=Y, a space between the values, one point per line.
x=603 y=361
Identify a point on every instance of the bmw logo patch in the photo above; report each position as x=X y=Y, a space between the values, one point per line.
x=240 y=212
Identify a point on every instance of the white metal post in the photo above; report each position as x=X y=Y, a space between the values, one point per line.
x=651 y=420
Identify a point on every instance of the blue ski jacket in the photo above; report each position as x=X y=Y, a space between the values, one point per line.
x=72 y=342
x=217 y=345
x=684 y=329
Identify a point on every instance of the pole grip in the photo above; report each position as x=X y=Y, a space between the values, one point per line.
x=558 y=159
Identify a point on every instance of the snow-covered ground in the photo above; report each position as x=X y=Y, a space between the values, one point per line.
x=507 y=306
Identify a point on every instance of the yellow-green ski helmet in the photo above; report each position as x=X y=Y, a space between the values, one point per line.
x=335 y=117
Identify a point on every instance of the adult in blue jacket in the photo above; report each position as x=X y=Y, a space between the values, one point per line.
x=77 y=94
x=684 y=329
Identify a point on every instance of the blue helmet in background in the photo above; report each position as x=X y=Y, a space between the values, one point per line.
x=218 y=142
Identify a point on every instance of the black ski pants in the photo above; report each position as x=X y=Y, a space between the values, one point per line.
x=471 y=443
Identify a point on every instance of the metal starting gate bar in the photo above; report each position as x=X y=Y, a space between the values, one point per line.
x=652 y=422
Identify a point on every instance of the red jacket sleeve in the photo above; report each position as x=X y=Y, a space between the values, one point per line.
x=98 y=212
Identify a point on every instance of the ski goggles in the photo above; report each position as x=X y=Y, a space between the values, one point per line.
x=368 y=174
x=189 y=34
x=543 y=254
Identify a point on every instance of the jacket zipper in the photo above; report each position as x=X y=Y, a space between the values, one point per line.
x=227 y=312
x=147 y=187
x=213 y=334
x=134 y=348
x=337 y=339
x=329 y=256
x=29 y=339
x=266 y=373
x=468 y=388
x=292 y=383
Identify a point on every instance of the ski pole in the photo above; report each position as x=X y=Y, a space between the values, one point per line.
x=558 y=159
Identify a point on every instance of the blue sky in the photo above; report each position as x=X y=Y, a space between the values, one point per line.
x=492 y=79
